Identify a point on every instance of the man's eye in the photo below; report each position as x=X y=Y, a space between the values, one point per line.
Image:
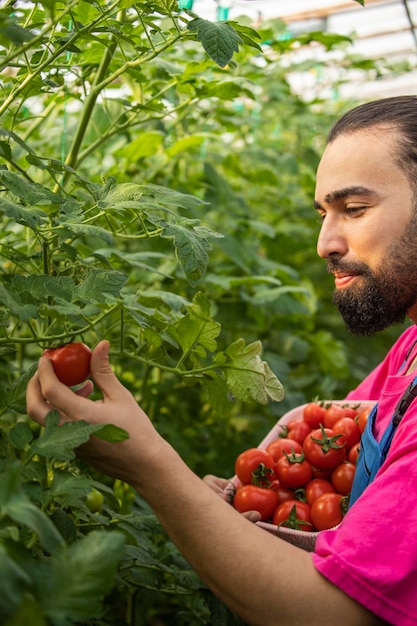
x=354 y=210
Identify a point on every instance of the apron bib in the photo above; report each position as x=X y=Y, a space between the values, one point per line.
x=372 y=452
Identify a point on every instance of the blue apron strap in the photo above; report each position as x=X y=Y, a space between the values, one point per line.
x=373 y=453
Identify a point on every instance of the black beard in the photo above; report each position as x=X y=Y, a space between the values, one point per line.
x=370 y=308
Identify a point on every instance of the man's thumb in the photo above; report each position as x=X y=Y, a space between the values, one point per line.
x=101 y=370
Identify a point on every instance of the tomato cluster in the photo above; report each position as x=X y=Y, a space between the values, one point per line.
x=303 y=478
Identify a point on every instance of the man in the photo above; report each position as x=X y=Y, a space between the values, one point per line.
x=365 y=572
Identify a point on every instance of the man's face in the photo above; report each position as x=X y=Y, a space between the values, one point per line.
x=369 y=230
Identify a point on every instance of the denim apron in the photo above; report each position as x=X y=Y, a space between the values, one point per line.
x=373 y=453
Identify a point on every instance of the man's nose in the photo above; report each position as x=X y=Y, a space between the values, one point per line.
x=331 y=240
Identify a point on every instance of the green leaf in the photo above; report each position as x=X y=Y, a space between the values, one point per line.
x=29 y=193
x=16 y=505
x=247 y=376
x=191 y=246
x=14 y=581
x=17 y=390
x=219 y=39
x=81 y=575
x=22 y=215
x=20 y=435
x=24 y=312
x=197 y=328
x=59 y=442
x=100 y=286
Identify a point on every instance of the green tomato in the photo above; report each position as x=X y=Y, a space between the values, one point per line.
x=94 y=501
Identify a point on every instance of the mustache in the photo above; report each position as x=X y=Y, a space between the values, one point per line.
x=337 y=265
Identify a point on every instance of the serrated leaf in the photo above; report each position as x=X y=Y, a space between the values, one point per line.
x=81 y=575
x=219 y=39
x=29 y=193
x=22 y=215
x=16 y=505
x=20 y=435
x=99 y=285
x=88 y=230
x=247 y=376
x=191 y=247
x=59 y=442
x=17 y=390
x=24 y=312
x=197 y=328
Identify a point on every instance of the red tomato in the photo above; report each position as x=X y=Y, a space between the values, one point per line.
x=326 y=511
x=322 y=449
x=349 y=430
x=254 y=466
x=254 y=498
x=354 y=453
x=293 y=514
x=333 y=413
x=362 y=418
x=293 y=471
x=342 y=477
x=276 y=447
x=283 y=494
x=71 y=362
x=298 y=430
x=316 y=488
x=325 y=474
x=313 y=414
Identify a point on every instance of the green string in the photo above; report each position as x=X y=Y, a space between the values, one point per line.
x=65 y=125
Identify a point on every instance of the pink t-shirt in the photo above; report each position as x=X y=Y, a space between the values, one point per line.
x=372 y=556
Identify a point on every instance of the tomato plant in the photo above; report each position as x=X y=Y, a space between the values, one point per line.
x=71 y=362
x=293 y=514
x=255 y=466
x=326 y=511
x=255 y=498
x=322 y=449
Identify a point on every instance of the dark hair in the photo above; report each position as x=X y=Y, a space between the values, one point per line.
x=396 y=113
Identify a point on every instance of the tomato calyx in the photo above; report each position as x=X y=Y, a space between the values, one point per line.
x=263 y=476
x=327 y=442
x=293 y=521
x=294 y=457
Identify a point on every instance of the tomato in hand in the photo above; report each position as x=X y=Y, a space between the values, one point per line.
x=71 y=362
x=254 y=498
x=326 y=511
x=255 y=465
x=293 y=514
x=277 y=447
x=342 y=477
x=313 y=414
x=322 y=449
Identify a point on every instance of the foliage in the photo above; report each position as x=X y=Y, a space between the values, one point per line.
x=156 y=177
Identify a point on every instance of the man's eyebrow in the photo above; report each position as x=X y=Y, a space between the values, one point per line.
x=341 y=194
